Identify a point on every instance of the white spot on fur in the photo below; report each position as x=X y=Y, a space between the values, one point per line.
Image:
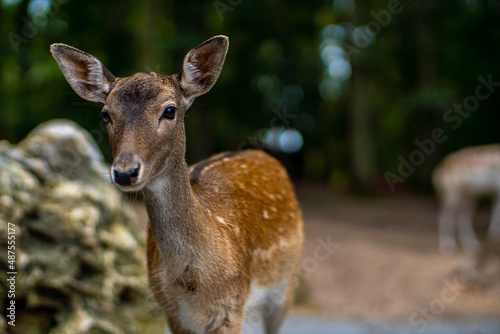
x=268 y=253
x=223 y=221
x=265 y=214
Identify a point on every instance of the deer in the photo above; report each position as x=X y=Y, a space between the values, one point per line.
x=225 y=235
x=459 y=180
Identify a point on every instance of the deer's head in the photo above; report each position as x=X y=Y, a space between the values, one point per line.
x=144 y=113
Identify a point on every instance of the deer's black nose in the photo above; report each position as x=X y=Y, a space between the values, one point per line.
x=126 y=177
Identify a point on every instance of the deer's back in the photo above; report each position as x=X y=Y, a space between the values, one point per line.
x=473 y=171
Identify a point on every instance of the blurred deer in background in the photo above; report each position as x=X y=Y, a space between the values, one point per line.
x=460 y=179
x=225 y=235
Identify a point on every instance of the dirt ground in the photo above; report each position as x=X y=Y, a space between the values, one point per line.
x=376 y=259
x=384 y=264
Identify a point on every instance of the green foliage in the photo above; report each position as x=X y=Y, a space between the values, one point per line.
x=427 y=58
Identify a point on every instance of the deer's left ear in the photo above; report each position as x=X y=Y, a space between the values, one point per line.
x=202 y=66
x=88 y=77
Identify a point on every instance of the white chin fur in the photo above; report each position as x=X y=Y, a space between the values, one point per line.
x=130 y=188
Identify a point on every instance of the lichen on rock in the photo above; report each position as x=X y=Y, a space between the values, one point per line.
x=80 y=253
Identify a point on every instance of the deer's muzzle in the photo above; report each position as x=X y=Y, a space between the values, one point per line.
x=126 y=170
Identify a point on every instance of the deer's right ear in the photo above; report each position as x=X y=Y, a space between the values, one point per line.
x=88 y=77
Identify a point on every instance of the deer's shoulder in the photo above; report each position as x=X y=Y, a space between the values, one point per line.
x=241 y=165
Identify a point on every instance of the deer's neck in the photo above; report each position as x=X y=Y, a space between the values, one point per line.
x=178 y=221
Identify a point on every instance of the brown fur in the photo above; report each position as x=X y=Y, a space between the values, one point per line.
x=220 y=230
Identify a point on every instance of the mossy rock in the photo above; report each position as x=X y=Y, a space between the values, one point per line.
x=80 y=252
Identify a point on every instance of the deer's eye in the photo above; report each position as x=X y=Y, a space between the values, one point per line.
x=169 y=113
x=105 y=116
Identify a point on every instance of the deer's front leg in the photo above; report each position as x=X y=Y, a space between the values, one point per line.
x=494 y=229
x=465 y=228
x=446 y=223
